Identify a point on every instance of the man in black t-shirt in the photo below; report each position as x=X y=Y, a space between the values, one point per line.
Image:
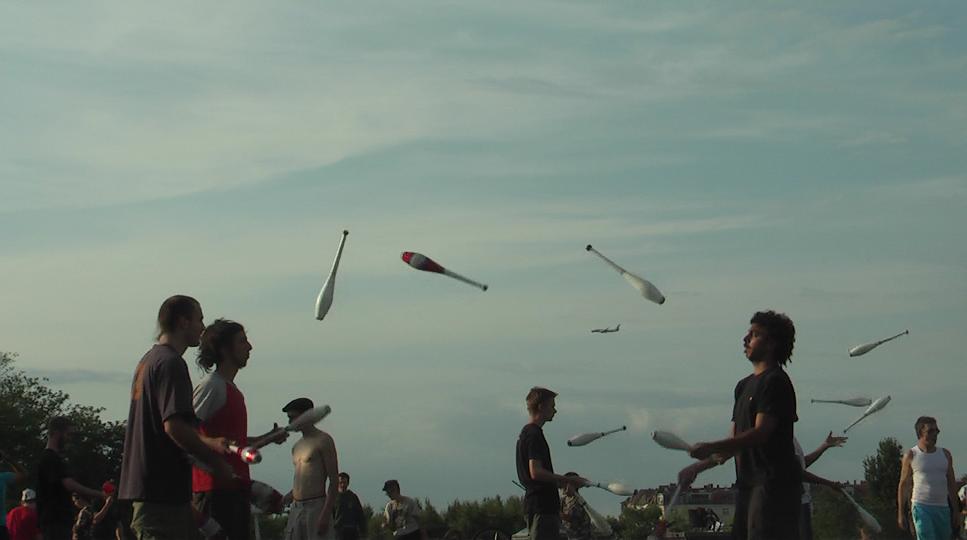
x=768 y=474
x=55 y=512
x=348 y=518
x=542 y=504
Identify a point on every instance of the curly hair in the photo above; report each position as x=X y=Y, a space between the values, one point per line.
x=781 y=331
x=218 y=335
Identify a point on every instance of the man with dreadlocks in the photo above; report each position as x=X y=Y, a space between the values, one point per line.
x=220 y=407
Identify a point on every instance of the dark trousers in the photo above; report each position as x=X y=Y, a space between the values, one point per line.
x=348 y=533
x=768 y=512
x=229 y=507
x=544 y=526
x=56 y=531
x=806 y=522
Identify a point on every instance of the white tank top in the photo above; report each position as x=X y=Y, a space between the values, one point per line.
x=929 y=477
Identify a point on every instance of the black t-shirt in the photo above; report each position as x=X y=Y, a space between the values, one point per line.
x=154 y=468
x=53 y=500
x=347 y=512
x=540 y=497
x=773 y=462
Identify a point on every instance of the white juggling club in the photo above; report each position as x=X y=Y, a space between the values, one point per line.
x=324 y=300
x=643 y=286
x=585 y=438
x=876 y=406
x=860 y=350
x=613 y=487
x=667 y=439
x=867 y=518
x=852 y=402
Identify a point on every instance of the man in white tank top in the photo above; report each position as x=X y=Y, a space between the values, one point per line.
x=927 y=485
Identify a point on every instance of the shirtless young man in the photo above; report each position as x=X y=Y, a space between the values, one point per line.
x=316 y=477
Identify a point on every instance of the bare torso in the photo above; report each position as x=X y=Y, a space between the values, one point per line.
x=309 y=458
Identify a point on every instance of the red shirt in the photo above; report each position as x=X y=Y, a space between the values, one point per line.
x=230 y=421
x=22 y=523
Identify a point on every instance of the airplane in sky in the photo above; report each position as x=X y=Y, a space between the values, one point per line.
x=606 y=330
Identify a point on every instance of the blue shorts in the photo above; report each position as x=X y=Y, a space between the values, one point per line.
x=932 y=522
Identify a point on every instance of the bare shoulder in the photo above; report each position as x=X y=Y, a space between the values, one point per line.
x=322 y=441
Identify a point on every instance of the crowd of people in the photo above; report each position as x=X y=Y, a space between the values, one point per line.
x=183 y=475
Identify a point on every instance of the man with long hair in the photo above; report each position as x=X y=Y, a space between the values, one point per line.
x=220 y=406
x=160 y=433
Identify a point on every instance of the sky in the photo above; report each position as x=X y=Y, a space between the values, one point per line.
x=803 y=158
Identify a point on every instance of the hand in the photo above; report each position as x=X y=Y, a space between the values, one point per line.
x=687 y=475
x=832 y=441
x=277 y=435
x=578 y=481
x=219 y=445
x=701 y=450
x=901 y=521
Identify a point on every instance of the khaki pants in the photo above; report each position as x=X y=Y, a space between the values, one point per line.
x=160 y=521
x=303 y=517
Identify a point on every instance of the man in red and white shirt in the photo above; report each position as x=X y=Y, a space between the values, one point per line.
x=220 y=406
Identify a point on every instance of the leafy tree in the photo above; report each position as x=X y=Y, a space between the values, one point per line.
x=26 y=403
x=374 y=524
x=637 y=523
x=833 y=517
x=431 y=520
x=469 y=518
x=882 y=472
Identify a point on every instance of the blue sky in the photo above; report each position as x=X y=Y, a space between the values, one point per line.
x=804 y=158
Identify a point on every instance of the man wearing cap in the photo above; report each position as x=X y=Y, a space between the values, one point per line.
x=22 y=520
x=402 y=514
x=314 y=484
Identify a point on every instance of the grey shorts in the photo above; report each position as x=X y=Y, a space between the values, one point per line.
x=303 y=516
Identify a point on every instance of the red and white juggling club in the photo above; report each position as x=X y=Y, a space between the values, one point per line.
x=422 y=262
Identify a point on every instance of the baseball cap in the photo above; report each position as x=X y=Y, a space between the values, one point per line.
x=302 y=404
x=28 y=495
x=390 y=484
